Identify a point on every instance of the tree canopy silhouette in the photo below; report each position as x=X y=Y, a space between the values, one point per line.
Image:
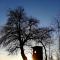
x=19 y=29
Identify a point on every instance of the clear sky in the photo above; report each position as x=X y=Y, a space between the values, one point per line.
x=44 y=10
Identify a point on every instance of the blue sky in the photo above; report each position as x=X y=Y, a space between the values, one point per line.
x=44 y=10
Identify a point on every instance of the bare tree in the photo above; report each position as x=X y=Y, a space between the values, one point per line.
x=58 y=31
x=17 y=31
x=58 y=27
x=43 y=36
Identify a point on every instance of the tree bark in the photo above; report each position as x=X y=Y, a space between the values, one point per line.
x=22 y=53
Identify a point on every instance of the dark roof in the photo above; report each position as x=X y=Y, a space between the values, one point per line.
x=37 y=47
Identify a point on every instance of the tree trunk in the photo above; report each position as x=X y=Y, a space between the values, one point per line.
x=23 y=54
x=44 y=49
x=21 y=42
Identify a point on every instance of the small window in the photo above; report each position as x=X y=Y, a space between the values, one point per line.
x=34 y=51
